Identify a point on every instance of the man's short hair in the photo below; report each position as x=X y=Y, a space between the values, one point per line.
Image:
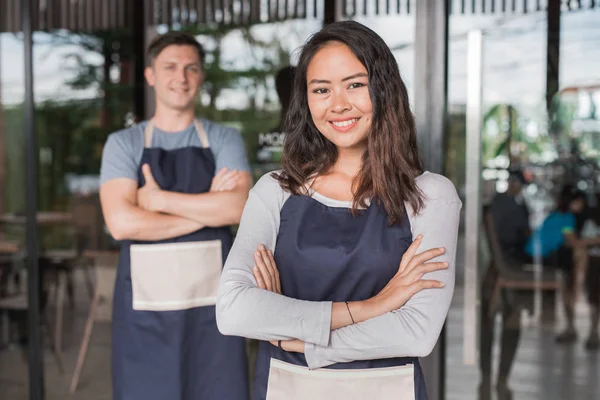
x=568 y=194
x=173 y=38
x=284 y=80
x=516 y=175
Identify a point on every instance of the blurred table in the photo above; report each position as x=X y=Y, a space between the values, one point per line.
x=43 y=218
x=9 y=246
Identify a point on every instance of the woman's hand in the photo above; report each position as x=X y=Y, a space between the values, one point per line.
x=408 y=280
x=291 y=346
x=267 y=277
x=265 y=271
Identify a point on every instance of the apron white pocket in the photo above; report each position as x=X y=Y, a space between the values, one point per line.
x=292 y=382
x=175 y=276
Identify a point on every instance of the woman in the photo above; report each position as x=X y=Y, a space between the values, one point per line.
x=323 y=270
x=557 y=243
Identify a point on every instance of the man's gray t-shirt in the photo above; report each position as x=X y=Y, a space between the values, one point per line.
x=123 y=150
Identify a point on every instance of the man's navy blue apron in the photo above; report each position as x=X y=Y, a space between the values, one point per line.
x=166 y=345
x=326 y=254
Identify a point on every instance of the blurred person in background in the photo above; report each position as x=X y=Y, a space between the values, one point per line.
x=558 y=244
x=510 y=219
x=170 y=189
x=510 y=216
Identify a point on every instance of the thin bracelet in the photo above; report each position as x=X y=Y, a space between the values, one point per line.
x=351 y=317
x=279 y=345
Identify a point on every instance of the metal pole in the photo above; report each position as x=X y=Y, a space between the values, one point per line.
x=431 y=94
x=431 y=80
x=36 y=366
x=473 y=193
x=138 y=23
x=150 y=33
x=2 y=148
x=332 y=11
x=552 y=52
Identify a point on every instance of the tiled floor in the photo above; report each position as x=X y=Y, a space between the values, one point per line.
x=543 y=369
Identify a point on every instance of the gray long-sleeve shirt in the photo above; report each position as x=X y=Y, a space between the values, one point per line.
x=245 y=310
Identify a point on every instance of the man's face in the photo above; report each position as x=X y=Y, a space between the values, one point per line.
x=515 y=187
x=577 y=206
x=176 y=76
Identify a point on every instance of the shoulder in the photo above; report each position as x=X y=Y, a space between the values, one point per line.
x=435 y=187
x=128 y=139
x=502 y=202
x=570 y=218
x=218 y=133
x=268 y=189
x=268 y=184
x=227 y=145
x=121 y=154
x=499 y=198
x=557 y=218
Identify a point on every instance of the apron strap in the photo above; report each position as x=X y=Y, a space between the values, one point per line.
x=149 y=130
x=148 y=134
x=201 y=134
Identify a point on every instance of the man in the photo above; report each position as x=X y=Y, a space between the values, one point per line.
x=170 y=188
x=560 y=244
x=510 y=216
x=284 y=82
x=273 y=140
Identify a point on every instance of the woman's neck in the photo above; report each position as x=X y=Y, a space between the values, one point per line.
x=349 y=162
x=338 y=183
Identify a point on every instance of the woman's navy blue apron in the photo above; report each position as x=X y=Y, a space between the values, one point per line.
x=171 y=349
x=326 y=254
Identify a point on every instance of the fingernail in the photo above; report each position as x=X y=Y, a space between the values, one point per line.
x=442 y=249
x=442 y=284
x=419 y=236
x=262 y=247
x=446 y=264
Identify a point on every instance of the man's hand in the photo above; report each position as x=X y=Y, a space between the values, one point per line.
x=221 y=206
x=148 y=196
x=225 y=180
x=126 y=220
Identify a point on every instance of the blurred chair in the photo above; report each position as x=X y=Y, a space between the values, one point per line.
x=62 y=263
x=15 y=304
x=506 y=288
x=105 y=268
x=505 y=273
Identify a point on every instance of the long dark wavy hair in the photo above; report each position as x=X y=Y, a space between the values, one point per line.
x=391 y=161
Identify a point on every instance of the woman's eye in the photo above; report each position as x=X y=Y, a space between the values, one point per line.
x=320 y=91
x=356 y=85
